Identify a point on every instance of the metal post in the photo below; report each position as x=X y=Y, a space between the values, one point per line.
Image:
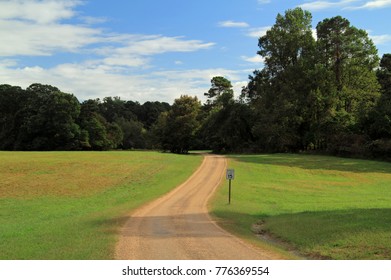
x=229 y=192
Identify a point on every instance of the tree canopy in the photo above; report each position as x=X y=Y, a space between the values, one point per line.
x=42 y=117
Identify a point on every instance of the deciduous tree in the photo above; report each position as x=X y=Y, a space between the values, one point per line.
x=180 y=124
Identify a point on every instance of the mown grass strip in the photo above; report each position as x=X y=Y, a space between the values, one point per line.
x=70 y=205
x=323 y=207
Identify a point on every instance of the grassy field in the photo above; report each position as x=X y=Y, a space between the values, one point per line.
x=70 y=205
x=322 y=207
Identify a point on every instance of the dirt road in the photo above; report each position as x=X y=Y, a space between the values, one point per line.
x=177 y=226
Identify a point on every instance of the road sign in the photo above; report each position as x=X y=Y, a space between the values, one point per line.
x=230 y=174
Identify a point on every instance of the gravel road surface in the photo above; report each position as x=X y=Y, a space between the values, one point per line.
x=177 y=226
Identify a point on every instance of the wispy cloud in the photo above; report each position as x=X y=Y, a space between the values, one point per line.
x=22 y=38
x=254 y=59
x=346 y=5
x=44 y=11
x=138 y=49
x=377 y=4
x=262 y=2
x=35 y=28
x=156 y=44
x=322 y=5
x=258 y=31
x=230 y=23
x=381 y=39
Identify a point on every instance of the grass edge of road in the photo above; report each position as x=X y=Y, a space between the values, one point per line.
x=277 y=248
x=289 y=198
x=74 y=224
x=243 y=231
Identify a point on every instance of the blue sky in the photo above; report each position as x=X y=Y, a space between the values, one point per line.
x=147 y=50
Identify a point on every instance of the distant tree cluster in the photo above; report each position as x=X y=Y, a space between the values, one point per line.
x=42 y=117
x=330 y=94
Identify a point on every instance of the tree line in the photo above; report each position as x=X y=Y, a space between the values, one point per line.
x=329 y=93
x=42 y=117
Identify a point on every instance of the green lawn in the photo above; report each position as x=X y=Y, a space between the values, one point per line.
x=70 y=205
x=322 y=207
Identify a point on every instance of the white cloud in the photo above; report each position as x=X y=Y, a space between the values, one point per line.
x=137 y=50
x=44 y=11
x=317 y=5
x=264 y=2
x=238 y=86
x=314 y=33
x=253 y=59
x=196 y=81
x=85 y=81
x=377 y=4
x=346 y=5
x=32 y=27
x=8 y=63
x=230 y=23
x=322 y=5
x=92 y=80
x=258 y=31
x=125 y=60
x=381 y=39
x=199 y=76
x=156 y=44
x=23 y=38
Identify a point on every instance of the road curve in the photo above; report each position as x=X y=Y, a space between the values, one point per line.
x=177 y=226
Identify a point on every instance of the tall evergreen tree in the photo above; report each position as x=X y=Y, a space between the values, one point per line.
x=379 y=124
x=279 y=92
x=351 y=56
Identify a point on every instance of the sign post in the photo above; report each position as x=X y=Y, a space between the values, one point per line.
x=230 y=175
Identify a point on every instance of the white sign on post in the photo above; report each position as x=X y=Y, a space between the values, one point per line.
x=230 y=174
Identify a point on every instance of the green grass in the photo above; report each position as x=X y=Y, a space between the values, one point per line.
x=70 y=205
x=322 y=207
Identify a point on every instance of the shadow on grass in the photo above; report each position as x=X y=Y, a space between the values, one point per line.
x=317 y=162
x=341 y=234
